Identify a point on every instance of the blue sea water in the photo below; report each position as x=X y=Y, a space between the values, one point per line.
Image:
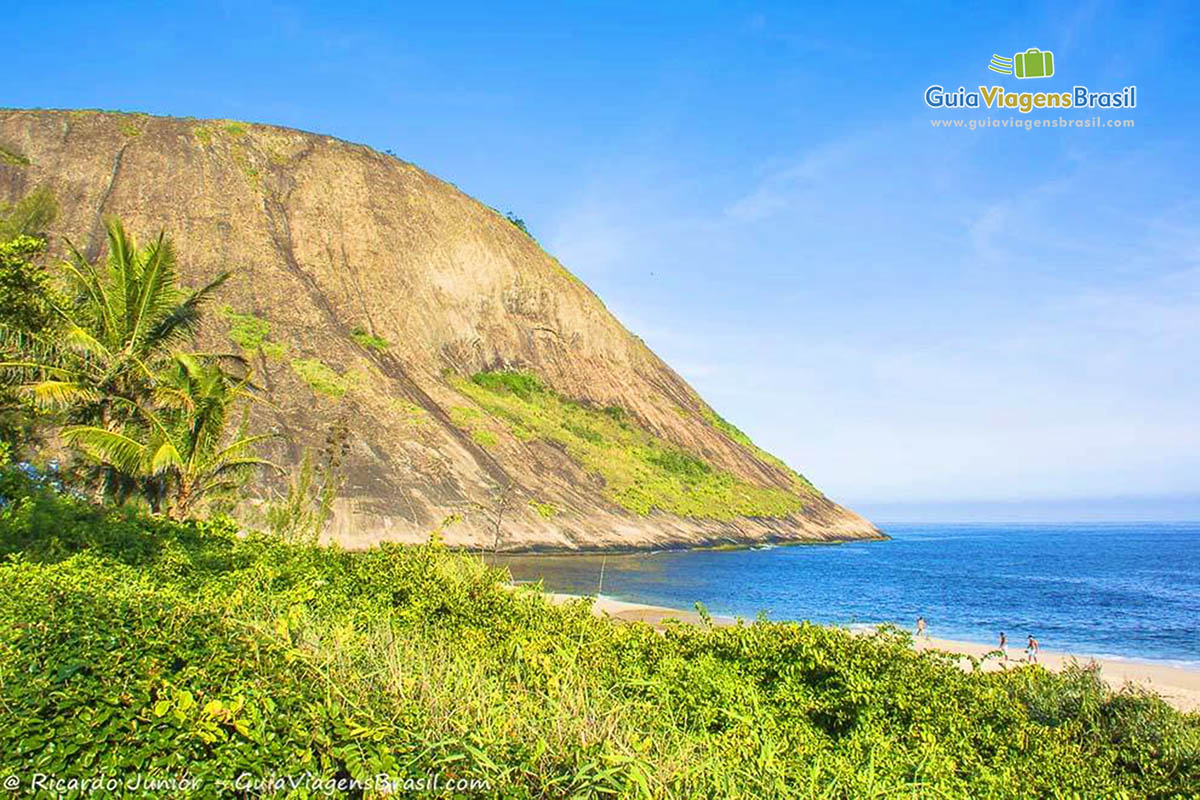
x=1124 y=590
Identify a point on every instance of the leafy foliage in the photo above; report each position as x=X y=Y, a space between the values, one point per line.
x=24 y=307
x=484 y=438
x=26 y=310
x=24 y=286
x=29 y=216
x=301 y=513
x=523 y=384
x=518 y=223
x=180 y=454
x=118 y=324
x=642 y=472
x=132 y=643
x=103 y=353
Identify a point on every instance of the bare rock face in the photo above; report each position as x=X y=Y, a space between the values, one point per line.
x=366 y=293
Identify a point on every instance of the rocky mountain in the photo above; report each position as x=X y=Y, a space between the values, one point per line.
x=470 y=373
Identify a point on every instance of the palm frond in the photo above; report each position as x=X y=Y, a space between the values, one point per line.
x=238 y=464
x=173 y=397
x=34 y=353
x=88 y=284
x=181 y=321
x=107 y=447
x=165 y=458
x=123 y=269
x=156 y=292
x=56 y=395
x=242 y=445
x=82 y=341
x=23 y=371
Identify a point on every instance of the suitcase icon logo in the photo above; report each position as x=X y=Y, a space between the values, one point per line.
x=1033 y=63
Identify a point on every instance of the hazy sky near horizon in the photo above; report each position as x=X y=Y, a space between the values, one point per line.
x=906 y=314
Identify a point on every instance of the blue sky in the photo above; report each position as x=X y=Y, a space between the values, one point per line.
x=917 y=318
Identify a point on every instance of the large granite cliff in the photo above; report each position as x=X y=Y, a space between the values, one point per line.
x=367 y=293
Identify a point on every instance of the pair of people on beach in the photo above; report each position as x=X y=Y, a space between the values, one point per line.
x=1031 y=648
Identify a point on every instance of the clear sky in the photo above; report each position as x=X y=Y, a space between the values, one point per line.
x=911 y=316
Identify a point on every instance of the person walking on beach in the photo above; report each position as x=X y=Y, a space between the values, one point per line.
x=921 y=627
x=1031 y=650
x=1003 y=646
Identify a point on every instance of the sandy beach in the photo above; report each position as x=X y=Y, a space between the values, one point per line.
x=1178 y=686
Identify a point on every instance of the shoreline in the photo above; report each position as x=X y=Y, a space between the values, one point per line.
x=1177 y=685
x=719 y=545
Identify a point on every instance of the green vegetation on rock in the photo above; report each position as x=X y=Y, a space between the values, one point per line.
x=250 y=333
x=642 y=472
x=518 y=223
x=484 y=437
x=12 y=157
x=29 y=216
x=546 y=510
x=736 y=434
x=465 y=417
x=247 y=330
x=411 y=413
x=132 y=644
x=474 y=422
x=727 y=428
x=369 y=340
x=273 y=350
x=320 y=377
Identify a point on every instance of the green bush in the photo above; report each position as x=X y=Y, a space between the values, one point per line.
x=523 y=384
x=130 y=644
x=680 y=463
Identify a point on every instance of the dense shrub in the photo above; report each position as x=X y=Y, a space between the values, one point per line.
x=523 y=384
x=130 y=643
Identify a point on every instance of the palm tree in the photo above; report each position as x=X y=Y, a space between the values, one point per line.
x=117 y=325
x=178 y=454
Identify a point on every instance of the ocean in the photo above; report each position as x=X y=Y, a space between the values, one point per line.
x=1114 y=590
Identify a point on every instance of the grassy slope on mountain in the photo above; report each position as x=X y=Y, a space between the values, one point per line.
x=641 y=471
x=137 y=645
